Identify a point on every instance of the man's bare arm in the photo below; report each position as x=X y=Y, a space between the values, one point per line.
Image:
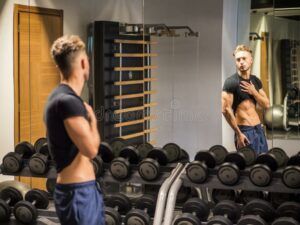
x=260 y=96
x=227 y=100
x=84 y=134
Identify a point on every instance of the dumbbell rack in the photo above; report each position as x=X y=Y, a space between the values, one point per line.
x=211 y=183
x=47 y=216
x=120 y=82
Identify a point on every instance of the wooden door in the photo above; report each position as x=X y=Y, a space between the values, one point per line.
x=35 y=74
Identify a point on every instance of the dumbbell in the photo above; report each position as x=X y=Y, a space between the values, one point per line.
x=117 y=144
x=198 y=170
x=175 y=153
x=8 y=198
x=277 y=198
x=293 y=92
x=39 y=162
x=262 y=172
x=229 y=172
x=289 y=209
x=291 y=174
x=220 y=153
x=219 y=195
x=144 y=149
x=105 y=154
x=258 y=212
x=26 y=211
x=246 y=196
x=285 y=221
x=194 y=211
x=225 y=212
x=39 y=143
x=116 y=205
x=120 y=166
x=149 y=168
x=14 y=161
x=144 y=210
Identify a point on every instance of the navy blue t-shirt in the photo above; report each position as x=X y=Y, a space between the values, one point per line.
x=232 y=85
x=62 y=103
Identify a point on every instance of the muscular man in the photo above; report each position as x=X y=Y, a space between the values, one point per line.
x=73 y=138
x=241 y=92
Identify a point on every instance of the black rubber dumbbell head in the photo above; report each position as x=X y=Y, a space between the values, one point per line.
x=39 y=162
x=8 y=197
x=144 y=149
x=173 y=150
x=260 y=208
x=117 y=144
x=229 y=172
x=197 y=171
x=144 y=210
x=120 y=166
x=26 y=211
x=149 y=168
x=220 y=153
x=116 y=205
x=13 y=161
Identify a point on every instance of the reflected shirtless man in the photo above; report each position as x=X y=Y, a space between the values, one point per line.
x=241 y=93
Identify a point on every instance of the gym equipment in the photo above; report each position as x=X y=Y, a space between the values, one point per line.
x=26 y=211
x=198 y=170
x=289 y=209
x=285 y=221
x=250 y=155
x=194 y=211
x=229 y=172
x=225 y=212
x=144 y=209
x=98 y=165
x=23 y=188
x=120 y=166
x=117 y=144
x=39 y=162
x=219 y=195
x=261 y=173
x=8 y=198
x=173 y=151
x=220 y=153
x=275 y=117
x=246 y=196
x=251 y=219
x=280 y=155
x=116 y=205
x=106 y=152
x=184 y=156
x=39 y=143
x=14 y=161
x=50 y=185
x=277 y=198
x=257 y=211
x=293 y=92
x=291 y=174
x=149 y=168
x=144 y=149
x=183 y=194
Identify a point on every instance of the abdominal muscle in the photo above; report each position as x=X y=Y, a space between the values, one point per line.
x=80 y=170
x=246 y=114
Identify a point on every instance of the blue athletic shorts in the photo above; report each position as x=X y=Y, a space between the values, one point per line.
x=79 y=204
x=256 y=136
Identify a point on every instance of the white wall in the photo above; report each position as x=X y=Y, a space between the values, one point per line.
x=189 y=73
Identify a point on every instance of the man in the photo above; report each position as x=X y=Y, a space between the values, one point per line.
x=241 y=92
x=73 y=137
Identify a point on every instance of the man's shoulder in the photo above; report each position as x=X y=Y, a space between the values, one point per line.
x=232 y=77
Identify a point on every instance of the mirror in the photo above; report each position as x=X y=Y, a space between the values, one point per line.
x=274 y=37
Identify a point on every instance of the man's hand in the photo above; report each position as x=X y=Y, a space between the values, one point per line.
x=248 y=88
x=242 y=141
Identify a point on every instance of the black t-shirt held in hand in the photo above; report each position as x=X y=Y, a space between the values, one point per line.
x=232 y=85
x=62 y=103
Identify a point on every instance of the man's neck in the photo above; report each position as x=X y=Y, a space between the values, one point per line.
x=244 y=74
x=75 y=82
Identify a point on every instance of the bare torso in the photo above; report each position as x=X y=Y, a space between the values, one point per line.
x=80 y=170
x=246 y=114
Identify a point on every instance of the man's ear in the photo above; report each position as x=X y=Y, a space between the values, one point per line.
x=83 y=63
